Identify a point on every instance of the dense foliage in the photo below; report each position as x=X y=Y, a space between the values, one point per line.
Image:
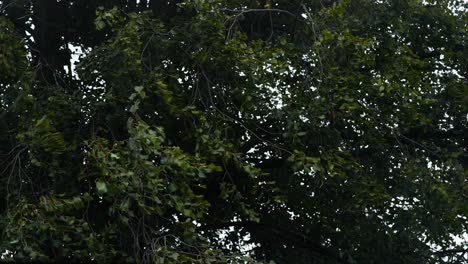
x=216 y=131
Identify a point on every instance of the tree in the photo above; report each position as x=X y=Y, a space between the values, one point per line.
x=234 y=131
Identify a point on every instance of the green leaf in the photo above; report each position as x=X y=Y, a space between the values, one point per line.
x=101 y=187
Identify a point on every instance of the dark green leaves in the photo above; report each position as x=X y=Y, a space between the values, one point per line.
x=234 y=131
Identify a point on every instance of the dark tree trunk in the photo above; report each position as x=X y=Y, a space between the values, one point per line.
x=49 y=50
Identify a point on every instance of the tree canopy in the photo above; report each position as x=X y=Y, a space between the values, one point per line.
x=240 y=131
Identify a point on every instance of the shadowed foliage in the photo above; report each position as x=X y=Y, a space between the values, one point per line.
x=240 y=131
